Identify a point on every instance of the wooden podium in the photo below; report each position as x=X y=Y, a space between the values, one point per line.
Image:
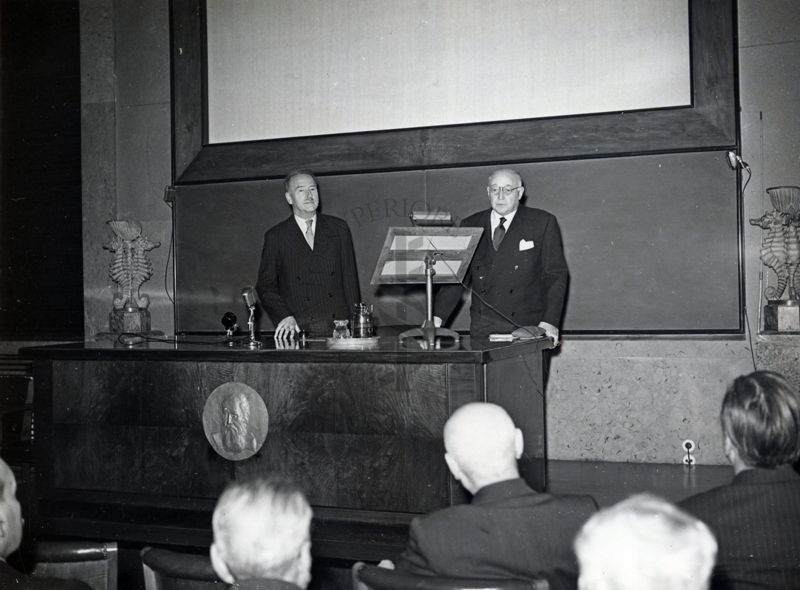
x=121 y=452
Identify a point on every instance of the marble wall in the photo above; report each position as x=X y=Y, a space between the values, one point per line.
x=609 y=399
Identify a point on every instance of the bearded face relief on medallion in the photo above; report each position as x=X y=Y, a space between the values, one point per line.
x=235 y=421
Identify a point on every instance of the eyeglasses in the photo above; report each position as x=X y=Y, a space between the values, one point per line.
x=506 y=190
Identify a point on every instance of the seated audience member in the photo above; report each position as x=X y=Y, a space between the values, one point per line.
x=262 y=535
x=508 y=530
x=11 y=537
x=756 y=518
x=644 y=543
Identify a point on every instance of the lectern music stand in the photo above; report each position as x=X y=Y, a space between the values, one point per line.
x=426 y=255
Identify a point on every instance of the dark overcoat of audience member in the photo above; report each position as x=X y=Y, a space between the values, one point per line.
x=508 y=530
x=756 y=518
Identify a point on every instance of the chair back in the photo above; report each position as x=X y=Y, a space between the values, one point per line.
x=377 y=578
x=93 y=562
x=170 y=570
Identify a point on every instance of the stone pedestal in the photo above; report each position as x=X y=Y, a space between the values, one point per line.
x=125 y=320
x=782 y=316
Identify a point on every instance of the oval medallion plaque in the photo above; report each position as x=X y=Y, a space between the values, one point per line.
x=235 y=421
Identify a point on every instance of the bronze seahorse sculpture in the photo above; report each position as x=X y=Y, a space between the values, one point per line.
x=130 y=266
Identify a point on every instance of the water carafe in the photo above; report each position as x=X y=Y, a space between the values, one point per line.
x=362 y=325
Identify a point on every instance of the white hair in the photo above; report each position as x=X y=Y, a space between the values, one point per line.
x=261 y=526
x=644 y=543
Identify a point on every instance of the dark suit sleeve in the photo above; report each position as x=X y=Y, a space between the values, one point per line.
x=352 y=291
x=413 y=560
x=268 y=286
x=555 y=275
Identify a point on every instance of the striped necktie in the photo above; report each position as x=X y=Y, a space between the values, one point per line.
x=310 y=233
x=499 y=233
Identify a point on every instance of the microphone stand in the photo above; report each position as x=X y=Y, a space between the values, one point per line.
x=429 y=336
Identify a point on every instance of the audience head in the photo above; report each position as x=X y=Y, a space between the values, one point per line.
x=10 y=512
x=761 y=421
x=301 y=192
x=262 y=530
x=482 y=445
x=505 y=189
x=644 y=543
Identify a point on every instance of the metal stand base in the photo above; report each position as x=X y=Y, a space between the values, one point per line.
x=429 y=336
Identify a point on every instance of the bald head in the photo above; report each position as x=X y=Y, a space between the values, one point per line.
x=482 y=445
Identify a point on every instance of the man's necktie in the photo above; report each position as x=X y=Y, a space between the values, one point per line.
x=310 y=233
x=499 y=233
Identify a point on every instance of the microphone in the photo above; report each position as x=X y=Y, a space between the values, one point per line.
x=229 y=320
x=249 y=295
x=735 y=161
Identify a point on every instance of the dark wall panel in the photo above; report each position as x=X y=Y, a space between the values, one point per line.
x=41 y=278
x=652 y=241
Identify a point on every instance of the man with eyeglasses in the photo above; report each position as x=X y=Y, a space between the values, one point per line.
x=307 y=277
x=518 y=275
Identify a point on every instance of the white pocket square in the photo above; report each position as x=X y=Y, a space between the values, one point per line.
x=525 y=245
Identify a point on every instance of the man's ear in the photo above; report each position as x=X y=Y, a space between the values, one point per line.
x=730 y=450
x=519 y=443
x=288 y=198
x=453 y=466
x=220 y=566
x=303 y=565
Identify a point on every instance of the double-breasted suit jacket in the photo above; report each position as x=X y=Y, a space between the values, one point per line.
x=525 y=280
x=315 y=286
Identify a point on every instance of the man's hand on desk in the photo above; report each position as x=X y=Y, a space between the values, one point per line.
x=287 y=328
x=543 y=329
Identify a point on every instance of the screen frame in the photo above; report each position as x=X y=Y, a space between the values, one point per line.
x=709 y=123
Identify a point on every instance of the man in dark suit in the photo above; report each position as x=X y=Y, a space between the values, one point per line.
x=10 y=538
x=518 y=274
x=307 y=277
x=756 y=518
x=508 y=530
x=262 y=536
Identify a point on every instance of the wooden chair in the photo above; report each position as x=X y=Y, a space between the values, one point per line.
x=377 y=578
x=93 y=562
x=170 y=570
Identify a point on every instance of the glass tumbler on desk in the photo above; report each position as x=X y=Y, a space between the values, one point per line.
x=340 y=329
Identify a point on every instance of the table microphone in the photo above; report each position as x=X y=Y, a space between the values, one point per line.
x=249 y=295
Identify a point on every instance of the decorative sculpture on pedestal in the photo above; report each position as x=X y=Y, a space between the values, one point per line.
x=129 y=269
x=780 y=251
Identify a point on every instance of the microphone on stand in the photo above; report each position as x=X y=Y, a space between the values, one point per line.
x=249 y=296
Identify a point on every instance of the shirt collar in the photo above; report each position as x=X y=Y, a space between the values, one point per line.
x=495 y=218
x=301 y=223
x=500 y=490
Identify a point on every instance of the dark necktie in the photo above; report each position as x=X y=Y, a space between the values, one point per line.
x=499 y=233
